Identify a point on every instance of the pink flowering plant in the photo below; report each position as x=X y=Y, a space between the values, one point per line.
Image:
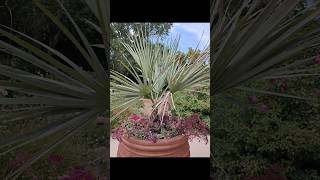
x=151 y=129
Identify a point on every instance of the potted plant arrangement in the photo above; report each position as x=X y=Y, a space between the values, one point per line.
x=253 y=41
x=157 y=75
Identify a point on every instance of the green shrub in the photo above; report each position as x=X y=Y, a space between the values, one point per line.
x=248 y=141
x=188 y=104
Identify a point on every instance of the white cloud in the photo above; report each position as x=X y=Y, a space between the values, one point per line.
x=201 y=31
x=131 y=31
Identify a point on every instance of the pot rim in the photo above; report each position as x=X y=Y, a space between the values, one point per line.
x=159 y=142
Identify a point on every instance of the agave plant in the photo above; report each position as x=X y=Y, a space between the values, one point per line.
x=157 y=74
x=78 y=96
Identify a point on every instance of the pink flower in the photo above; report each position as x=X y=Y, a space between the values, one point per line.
x=135 y=117
x=263 y=108
x=56 y=159
x=142 y=121
x=118 y=133
x=253 y=99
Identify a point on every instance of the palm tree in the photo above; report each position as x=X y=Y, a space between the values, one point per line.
x=157 y=76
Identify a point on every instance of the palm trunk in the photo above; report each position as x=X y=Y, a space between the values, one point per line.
x=147 y=107
x=164 y=109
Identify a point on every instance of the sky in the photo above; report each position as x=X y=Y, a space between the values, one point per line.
x=191 y=34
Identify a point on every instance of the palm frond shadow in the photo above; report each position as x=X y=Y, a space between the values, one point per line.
x=80 y=95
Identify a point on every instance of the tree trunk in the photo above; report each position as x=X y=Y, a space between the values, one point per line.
x=164 y=109
x=147 y=107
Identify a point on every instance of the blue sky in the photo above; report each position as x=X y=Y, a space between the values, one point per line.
x=191 y=34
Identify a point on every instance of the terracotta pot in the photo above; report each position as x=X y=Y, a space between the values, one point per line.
x=174 y=147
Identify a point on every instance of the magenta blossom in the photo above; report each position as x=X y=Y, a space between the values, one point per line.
x=253 y=99
x=118 y=133
x=263 y=108
x=137 y=118
x=56 y=159
x=142 y=121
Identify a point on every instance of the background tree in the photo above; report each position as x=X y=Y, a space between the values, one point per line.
x=29 y=20
x=120 y=33
x=23 y=16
